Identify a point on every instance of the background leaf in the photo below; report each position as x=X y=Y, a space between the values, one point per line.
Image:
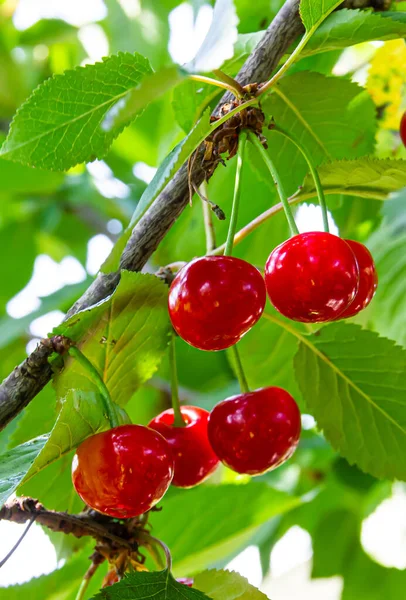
x=313 y=12
x=124 y=338
x=15 y=463
x=61 y=124
x=193 y=544
x=357 y=395
x=225 y=585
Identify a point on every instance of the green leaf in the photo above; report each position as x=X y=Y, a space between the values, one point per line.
x=386 y=314
x=15 y=464
x=349 y=27
x=144 y=586
x=365 y=177
x=357 y=393
x=333 y=542
x=337 y=121
x=15 y=273
x=20 y=179
x=313 y=12
x=194 y=544
x=190 y=99
x=81 y=416
x=226 y=585
x=63 y=122
x=167 y=169
x=364 y=579
x=124 y=337
x=219 y=42
x=151 y=87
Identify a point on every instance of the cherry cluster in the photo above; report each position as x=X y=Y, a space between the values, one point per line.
x=213 y=301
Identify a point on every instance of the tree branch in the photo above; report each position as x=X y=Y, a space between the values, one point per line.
x=22 y=385
x=102 y=529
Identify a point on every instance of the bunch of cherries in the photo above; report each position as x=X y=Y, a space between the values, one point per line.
x=213 y=301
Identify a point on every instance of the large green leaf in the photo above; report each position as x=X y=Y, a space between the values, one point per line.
x=313 y=12
x=193 y=543
x=365 y=177
x=226 y=585
x=190 y=99
x=219 y=42
x=124 y=337
x=333 y=541
x=333 y=118
x=386 y=314
x=63 y=123
x=357 y=393
x=143 y=586
x=15 y=464
x=349 y=27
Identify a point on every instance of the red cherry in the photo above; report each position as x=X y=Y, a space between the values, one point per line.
x=402 y=129
x=312 y=277
x=368 y=280
x=186 y=581
x=123 y=472
x=255 y=432
x=215 y=300
x=193 y=455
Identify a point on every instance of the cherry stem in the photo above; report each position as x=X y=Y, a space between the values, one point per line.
x=242 y=380
x=150 y=540
x=178 y=419
x=221 y=84
x=85 y=581
x=94 y=375
x=237 y=193
x=231 y=82
x=313 y=171
x=279 y=185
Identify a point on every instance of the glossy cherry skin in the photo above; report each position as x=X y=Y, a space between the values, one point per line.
x=255 y=432
x=215 y=300
x=368 y=280
x=312 y=277
x=123 y=472
x=402 y=129
x=186 y=581
x=193 y=455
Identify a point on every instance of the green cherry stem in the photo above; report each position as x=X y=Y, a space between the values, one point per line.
x=148 y=540
x=242 y=380
x=237 y=193
x=94 y=375
x=230 y=242
x=313 y=171
x=279 y=185
x=178 y=420
x=221 y=84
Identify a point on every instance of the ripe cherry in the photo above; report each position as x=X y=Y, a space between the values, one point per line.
x=215 y=300
x=368 y=280
x=402 y=129
x=193 y=455
x=123 y=472
x=255 y=432
x=312 y=277
x=186 y=581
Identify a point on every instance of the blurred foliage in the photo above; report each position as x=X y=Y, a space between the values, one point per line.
x=348 y=378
